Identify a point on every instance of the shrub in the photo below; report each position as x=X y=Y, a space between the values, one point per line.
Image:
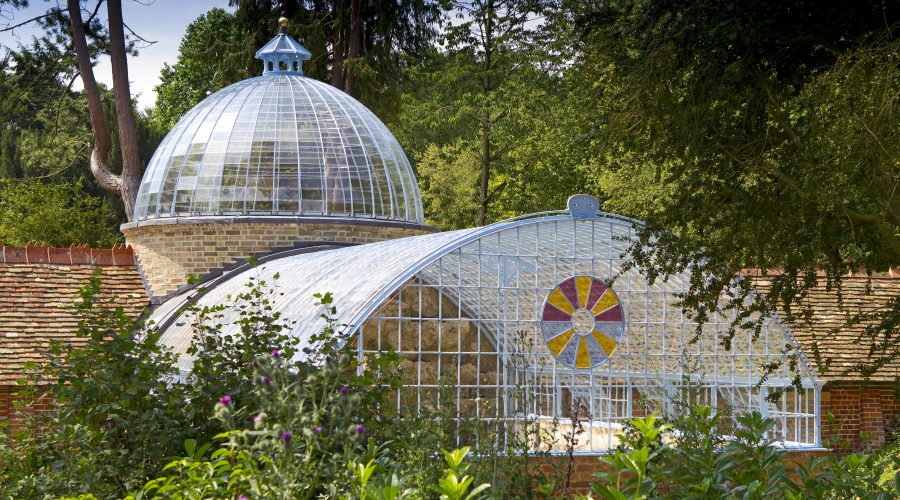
x=690 y=459
x=262 y=416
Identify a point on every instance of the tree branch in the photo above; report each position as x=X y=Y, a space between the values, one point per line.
x=139 y=37
x=51 y=12
x=776 y=112
x=62 y=98
x=94 y=13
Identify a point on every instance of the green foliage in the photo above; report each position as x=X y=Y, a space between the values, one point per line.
x=55 y=214
x=483 y=118
x=456 y=484
x=120 y=407
x=626 y=473
x=113 y=418
x=694 y=459
x=45 y=139
x=378 y=479
x=748 y=137
x=205 y=64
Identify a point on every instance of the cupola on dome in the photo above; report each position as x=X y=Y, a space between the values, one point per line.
x=280 y=144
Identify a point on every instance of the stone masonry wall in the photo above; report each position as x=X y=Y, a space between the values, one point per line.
x=168 y=253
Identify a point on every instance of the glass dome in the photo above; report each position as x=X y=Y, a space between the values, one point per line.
x=280 y=144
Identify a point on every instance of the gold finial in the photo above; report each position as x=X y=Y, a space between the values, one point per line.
x=283 y=22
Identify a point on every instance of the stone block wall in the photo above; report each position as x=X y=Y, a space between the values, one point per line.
x=436 y=354
x=169 y=251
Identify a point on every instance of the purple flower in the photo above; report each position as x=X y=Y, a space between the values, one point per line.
x=287 y=436
x=327 y=358
x=345 y=390
x=275 y=354
x=225 y=400
x=360 y=428
x=317 y=428
x=265 y=380
x=243 y=497
x=257 y=418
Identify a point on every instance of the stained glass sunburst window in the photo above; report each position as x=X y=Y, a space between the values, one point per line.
x=582 y=322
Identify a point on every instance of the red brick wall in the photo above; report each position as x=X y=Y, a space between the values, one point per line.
x=584 y=468
x=853 y=417
x=9 y=415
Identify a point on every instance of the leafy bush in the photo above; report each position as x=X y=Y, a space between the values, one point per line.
x=119 y=407
x=690 y=459
x=55 y=214
x=261 y=416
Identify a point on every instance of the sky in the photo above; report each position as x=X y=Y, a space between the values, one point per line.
x=163 y=21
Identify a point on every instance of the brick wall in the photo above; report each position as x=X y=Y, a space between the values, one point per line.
x=168 y=253
x=584 y=467
x=853 y=417
x=10 y=416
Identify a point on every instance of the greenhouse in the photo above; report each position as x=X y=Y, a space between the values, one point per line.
x=525 y=321
x=280 y=144
x=535 y=326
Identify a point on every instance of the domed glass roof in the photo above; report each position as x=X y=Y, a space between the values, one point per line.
x=280 y=144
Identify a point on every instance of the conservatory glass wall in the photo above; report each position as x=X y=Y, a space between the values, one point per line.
x=528 y=328
x=537 y=327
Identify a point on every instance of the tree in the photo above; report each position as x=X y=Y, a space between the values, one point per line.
x=361 y=49
x=491 y=33
x=126 y=183
x=493 y=94
x=750 y=135
x=55 y=214
x=205 y=64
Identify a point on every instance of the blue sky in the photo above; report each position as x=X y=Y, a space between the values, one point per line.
x=164 y=21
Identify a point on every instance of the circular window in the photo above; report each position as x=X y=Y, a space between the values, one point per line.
x=582 y=322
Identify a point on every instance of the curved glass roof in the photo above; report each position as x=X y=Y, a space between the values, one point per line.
x=280 y=144
x=478 y=263
x=484 y=312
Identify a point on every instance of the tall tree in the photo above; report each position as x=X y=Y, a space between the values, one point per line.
x=354 y=48
x=205 y=63
x=337 y=45
x=758 y=135
x=491 y=91
x=126 y=183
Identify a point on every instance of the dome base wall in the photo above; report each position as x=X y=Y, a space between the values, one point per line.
x=168 y=251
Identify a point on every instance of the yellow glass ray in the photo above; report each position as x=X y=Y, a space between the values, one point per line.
x=558 y=299
x=607 y=300
x=583 y=358
x=583 y=285
x=556 y=344
x=608 y=344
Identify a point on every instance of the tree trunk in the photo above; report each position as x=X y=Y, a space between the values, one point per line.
x=127 y=183
x=102 y=141
x=337 y=46
x=486 y=88
x=485 y=169
x=356 y=32
x=128 y=139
